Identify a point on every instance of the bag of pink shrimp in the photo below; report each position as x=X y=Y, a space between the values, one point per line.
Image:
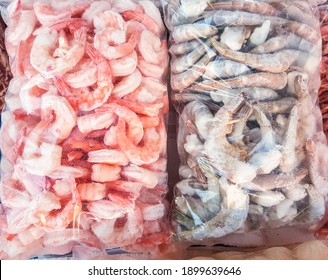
x=244 y=79
x=83 y=134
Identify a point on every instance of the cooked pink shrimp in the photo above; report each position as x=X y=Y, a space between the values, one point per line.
x=83 y=99
x=21 y=27
x=105 y=173
x=105 y=209
x=65 y=117
x=135 y=129
x=69 y=171
x=45 y=44
x=150 y=70
x=125 y=65
x=128 y=84
x=133 y=26
x=91 y=191
x=149 y=122
x=95 y=8
x=12 y=197
x=91 y=122
x=113 y=44
x=142 y=18
x=151 y=110
x=140 y=175
x=108 y=156
x=40 y=158
x=83 y=75
x=127 y=234
x=121 y=6
x=155 y=87
x=47 y=15
x=109 y=19
x=147 y=153
x=152 y=11
x=62 y=188
x=151 y=48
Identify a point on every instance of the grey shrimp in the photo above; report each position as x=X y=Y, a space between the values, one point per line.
x=262 y=79
x=252 y=7
x=277 y=62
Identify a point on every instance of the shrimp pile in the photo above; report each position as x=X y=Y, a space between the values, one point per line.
x=5 y=74
x=323 y=92
x=83 y=138
x=245 y=81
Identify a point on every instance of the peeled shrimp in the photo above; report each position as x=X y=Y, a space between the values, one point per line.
x=43 y=46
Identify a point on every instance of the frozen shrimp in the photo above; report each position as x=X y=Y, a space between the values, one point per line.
x=275 y=63
x=151 y=48
x=95 y=8
x=21 y=27
x=152 y=11
x=143 y=18
x=114 y=49
x=85 y=75
x=188 y=32
x=261 y=79
x=150 y=70
x=125 y=65
x=128 y=84
x=65 y=117
x=252 y=7
x=107 y=19
x=43 y=46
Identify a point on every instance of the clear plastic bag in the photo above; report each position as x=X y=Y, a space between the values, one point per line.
x=83 y=136
x=244 y=79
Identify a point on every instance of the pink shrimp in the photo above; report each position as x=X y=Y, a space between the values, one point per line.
x=127 y=84
x=144 y=19
x=105 y=173
x=108 y=19
x=105 y=209
x=135 y=129
x=140 y=175
x=47 y=15
x=108 y=156
x=91 y=191
x=85 y=100
x=42 y=53
x=151 y=48
x=150 y=70
x=113 y=49
x=96 y=121
x=95 y=8
x=125 y=65
x=146 y=153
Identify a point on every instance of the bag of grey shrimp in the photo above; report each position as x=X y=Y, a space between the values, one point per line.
x=83 y=133
x=244 y=80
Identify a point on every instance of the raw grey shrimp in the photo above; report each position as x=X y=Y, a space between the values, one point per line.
x=252 y=93
x=279 y=106
x=289 y=41
x=183 y=80
x=221 y=69
x=265 y=155
x=261 y=79
x=226 y=158
x=188 y=32
x=234 y=209
x=288 y=160
x=181 y=64
x=43 y=46
x=278 y=62
x=235 y=37
x=252 y=7
x=186 y=47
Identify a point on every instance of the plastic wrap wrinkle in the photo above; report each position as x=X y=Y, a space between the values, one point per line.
x=244 y=79
x=83 y=135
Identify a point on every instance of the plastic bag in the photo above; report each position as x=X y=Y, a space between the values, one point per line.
x=84 y=130
x=5 y=74
x=245 y=76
